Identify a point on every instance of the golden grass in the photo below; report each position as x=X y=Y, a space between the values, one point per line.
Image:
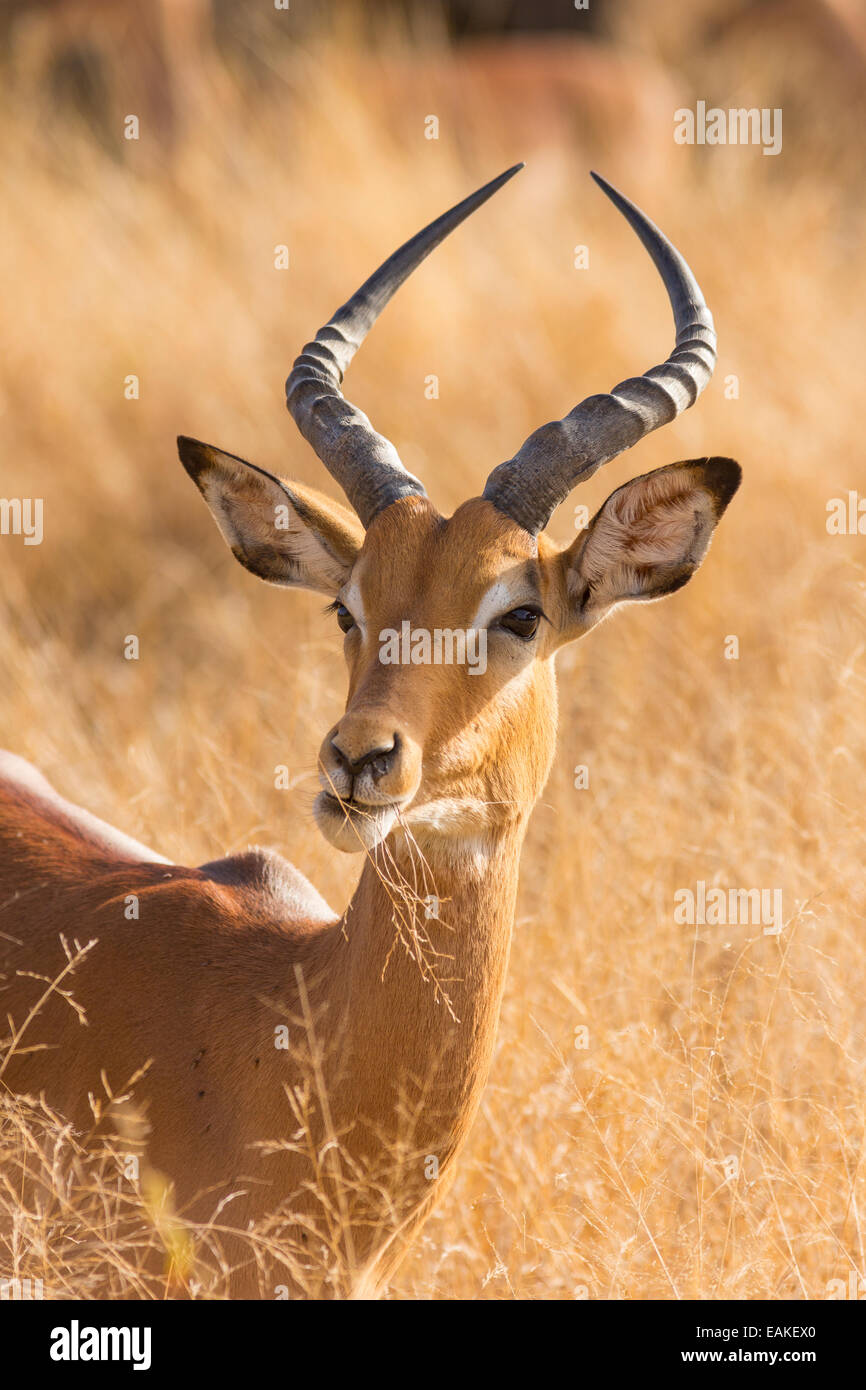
x=597 y=1171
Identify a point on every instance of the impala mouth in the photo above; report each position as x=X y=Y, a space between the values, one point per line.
x=354 y=826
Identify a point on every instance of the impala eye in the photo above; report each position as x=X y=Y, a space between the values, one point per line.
x=523 y=622
x=344 y=617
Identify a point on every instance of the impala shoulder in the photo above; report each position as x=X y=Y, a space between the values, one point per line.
x=279 y=885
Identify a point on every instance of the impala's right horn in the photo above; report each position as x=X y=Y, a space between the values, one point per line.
x=364 y=463
x=558 y=456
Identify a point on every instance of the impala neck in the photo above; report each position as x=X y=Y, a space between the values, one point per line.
x=462 y=907
x=424 y=993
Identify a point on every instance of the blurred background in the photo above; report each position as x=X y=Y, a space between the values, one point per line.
x=708 y=1141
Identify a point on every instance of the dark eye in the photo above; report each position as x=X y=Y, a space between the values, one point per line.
x=344 y=617
x=523 y=622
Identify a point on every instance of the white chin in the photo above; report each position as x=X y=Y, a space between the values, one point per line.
x=351 y=829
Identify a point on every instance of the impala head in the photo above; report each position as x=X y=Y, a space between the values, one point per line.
x=451 y=624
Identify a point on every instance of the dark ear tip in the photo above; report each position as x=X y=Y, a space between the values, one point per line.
x=190 y=454
x=723 y=476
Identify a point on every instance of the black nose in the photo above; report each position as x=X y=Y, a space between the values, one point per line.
x=379 y=760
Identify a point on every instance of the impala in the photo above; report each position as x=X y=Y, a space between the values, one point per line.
x=323 y=1072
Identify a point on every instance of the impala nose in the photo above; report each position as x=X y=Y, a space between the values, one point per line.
x=379 y=760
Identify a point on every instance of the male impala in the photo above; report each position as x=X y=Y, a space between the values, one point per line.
x=325 y=1071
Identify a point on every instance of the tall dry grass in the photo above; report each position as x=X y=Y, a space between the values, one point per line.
x=708 y=1140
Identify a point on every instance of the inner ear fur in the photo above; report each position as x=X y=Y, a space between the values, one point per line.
x=285 y=533
x=649 y=537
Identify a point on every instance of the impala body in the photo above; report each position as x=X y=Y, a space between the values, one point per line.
x=355 y=1048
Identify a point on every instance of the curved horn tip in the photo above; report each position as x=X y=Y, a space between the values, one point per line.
x=618 y=199
x=495 y=184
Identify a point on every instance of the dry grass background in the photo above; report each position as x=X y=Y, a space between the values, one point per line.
x=597 y=1171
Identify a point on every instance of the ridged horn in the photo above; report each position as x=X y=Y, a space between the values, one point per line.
x=364 y=463
x=558 y=456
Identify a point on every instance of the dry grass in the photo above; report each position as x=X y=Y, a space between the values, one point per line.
x=597 y=1170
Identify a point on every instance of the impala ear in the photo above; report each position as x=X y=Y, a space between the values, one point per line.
x=282 y=532
x=648 y=538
